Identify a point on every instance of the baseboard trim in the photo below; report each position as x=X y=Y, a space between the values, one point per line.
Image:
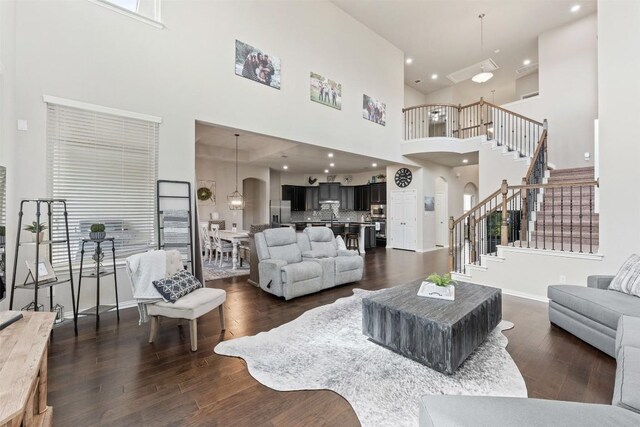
x=122 y=305
x=524 y=295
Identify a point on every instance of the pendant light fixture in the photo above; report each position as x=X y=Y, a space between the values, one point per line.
x=482 y=76
x=235 y=199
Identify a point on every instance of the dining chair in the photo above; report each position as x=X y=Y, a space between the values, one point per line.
x=207 y=244
x=221 y=247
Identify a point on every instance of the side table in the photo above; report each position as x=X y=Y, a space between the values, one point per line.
x=97 y=274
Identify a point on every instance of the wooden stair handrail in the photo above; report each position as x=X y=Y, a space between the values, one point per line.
x=475 y=208
x=514 y=113
x=595 y=183
x=541 y=145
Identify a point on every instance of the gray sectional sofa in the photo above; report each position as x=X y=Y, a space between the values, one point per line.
x=441 y=411
x=294 y=264
x=591 y=313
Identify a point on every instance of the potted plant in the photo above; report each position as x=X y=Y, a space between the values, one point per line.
x=36 y=229
x=97 y=232
x=438 y=286
x=2 y=234
x=381 y=178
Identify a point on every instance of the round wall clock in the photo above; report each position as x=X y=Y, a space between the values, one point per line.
x=403 y=177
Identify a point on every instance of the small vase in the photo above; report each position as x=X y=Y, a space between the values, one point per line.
x=34 y=236
x=97 y=235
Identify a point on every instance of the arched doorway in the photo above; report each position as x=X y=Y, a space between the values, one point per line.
x=470 y=197
x=442 y=211
x=255 y=197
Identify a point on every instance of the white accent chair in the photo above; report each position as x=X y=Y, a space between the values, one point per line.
x=221 y=247
x=190 y=307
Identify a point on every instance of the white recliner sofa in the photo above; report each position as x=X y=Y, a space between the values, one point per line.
x=339 y=266
x=294 y=264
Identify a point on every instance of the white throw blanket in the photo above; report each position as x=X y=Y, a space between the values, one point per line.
x=143 y=270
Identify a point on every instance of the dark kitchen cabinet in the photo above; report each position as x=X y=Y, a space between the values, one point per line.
x=312 y=199
x=329 y=191
x=296 y=194
x=347 y=195
x=361 y=198
x=379 y=193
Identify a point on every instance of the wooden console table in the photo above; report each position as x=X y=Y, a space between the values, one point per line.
x=23 y=371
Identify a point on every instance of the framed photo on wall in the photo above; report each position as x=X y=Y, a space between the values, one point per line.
x=257 y=65
x=374 y=110
x=326 y=91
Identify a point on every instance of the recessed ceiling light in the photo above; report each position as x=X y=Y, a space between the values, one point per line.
x=326 y=171
x=331 y=165
x=409 y=61
x=496 y=51
x=434 y=76
x=330 y=155
x=575 y=8
x=465 y=161
x=374 y=165
x=285 y=167
x=526 y=62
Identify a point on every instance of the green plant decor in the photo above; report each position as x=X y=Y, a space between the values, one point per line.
x=441 y=280
x=97 y=228
x=33 y=227
x=2 y=230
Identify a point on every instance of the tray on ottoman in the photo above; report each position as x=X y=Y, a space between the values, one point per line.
x=438 y=333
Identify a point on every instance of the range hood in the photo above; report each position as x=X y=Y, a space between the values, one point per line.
x=329 y=192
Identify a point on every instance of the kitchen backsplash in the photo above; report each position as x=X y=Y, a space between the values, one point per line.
x=325 y=214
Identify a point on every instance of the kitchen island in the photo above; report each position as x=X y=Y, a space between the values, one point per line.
x=299 y=226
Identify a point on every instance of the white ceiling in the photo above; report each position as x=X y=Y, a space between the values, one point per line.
x=218 y=143
x=444 y=36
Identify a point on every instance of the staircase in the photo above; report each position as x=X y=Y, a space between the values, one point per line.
x=564 y=218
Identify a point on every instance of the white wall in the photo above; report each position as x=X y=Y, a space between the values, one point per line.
x=79 y=50
x=224 y=175
x=619 y=92
x=468 y=92
x=496 y=165
x=527 y=85
x=412 y=97
x=568 y=85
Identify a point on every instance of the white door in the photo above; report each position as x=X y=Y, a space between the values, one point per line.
x=442 y=224
x=395 y=230
x=410 y=220
x=403 y=220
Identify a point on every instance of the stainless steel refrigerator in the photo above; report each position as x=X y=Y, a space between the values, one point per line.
x=280 y=212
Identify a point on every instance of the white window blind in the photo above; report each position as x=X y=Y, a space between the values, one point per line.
x=3 y=196
x=106 y=167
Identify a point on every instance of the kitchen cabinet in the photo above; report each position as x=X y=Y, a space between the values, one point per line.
x=378 y=193
x=347 y=198
x=296 y=194
x=361 y=198
x=312 y=195
x=329 y=191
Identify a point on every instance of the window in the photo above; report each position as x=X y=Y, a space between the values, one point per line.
x=105 y=165
x=143 y=10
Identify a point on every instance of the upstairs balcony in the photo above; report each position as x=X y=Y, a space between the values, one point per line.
x=446 y=133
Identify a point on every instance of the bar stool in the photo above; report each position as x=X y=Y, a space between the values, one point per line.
x=338 y=230
x=353 y=237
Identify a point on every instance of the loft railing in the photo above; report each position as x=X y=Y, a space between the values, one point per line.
x=507 y=128
x=560 y=218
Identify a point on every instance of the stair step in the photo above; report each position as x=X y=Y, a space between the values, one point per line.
x=566 y=227
x=573 y=171
x=547 y=209
x=567 y=218
x=549 y=245
x=566 y=241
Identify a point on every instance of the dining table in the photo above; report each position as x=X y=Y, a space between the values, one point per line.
x=235 y=237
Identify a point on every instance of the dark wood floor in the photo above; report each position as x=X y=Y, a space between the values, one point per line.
x=114 y=377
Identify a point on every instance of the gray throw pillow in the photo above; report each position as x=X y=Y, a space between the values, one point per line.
x=628 y=278
x=175 y=287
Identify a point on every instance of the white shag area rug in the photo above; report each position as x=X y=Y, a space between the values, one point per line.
x=324 y=348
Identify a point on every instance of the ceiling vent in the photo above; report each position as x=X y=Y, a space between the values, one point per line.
x=527 y=69
x=488 y=65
